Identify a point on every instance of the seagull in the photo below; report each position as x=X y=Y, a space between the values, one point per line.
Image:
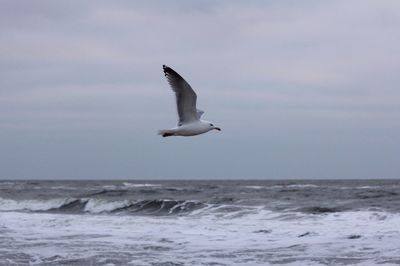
x=189 y=123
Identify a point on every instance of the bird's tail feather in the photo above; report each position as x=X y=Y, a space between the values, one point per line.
x=165 y=133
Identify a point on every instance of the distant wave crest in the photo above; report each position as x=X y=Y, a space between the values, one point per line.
x=283 y=186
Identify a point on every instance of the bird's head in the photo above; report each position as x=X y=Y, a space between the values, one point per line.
x=211 y=125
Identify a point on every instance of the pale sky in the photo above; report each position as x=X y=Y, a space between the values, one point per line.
x=301 y=89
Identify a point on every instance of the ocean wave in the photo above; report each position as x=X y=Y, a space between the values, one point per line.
x=162 y=207
x=110 y=192
x=254 y=187
x=361 y=187
x=97 y=206
x=110 y=187
x=376 y=194
x=64 y=187
x=283 y=186
x=369 y=187
x=33 y=205
x=127 y=184
x=224 y=207
x=100 y=205
x=320 y=209
x=303 y=186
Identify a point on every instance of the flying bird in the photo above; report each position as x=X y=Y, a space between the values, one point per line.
x=189 y=122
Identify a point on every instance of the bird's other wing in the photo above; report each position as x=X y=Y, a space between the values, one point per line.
x=199 y=113
x=185 y=96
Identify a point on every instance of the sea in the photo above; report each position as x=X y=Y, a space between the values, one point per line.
x=175 y=222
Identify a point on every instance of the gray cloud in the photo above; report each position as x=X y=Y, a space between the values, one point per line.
x=301 y=89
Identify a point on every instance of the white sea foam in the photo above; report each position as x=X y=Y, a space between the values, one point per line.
x=127 y=184
x=259 y=238
x=100 y=205
x=369 y=187
x=363 y=187
x=221 y=227
x=254 y=187
x=64 y=187
x=111 y=187
x=302 y=186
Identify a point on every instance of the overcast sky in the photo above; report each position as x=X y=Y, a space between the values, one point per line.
x=301 y=89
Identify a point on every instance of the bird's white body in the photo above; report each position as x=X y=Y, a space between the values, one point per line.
x=191 y=129
x=189 y=123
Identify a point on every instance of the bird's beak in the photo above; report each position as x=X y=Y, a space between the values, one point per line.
x=217 y=128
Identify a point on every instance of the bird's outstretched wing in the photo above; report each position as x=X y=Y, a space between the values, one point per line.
x=185 y=97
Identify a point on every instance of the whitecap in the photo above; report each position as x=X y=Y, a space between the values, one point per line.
x=303 y=186
x=100 y=205
x=127 y=184
x=254 y=187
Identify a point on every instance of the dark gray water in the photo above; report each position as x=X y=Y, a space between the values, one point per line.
x=353 y=222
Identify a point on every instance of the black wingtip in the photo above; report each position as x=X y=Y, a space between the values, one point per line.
x=166 y=70
x=170 y=72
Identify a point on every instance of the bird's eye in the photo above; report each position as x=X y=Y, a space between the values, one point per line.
x=211 y=125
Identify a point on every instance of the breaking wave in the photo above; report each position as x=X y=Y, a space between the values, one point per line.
x=98 y=206
x=158 y=207
x=33 y=205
